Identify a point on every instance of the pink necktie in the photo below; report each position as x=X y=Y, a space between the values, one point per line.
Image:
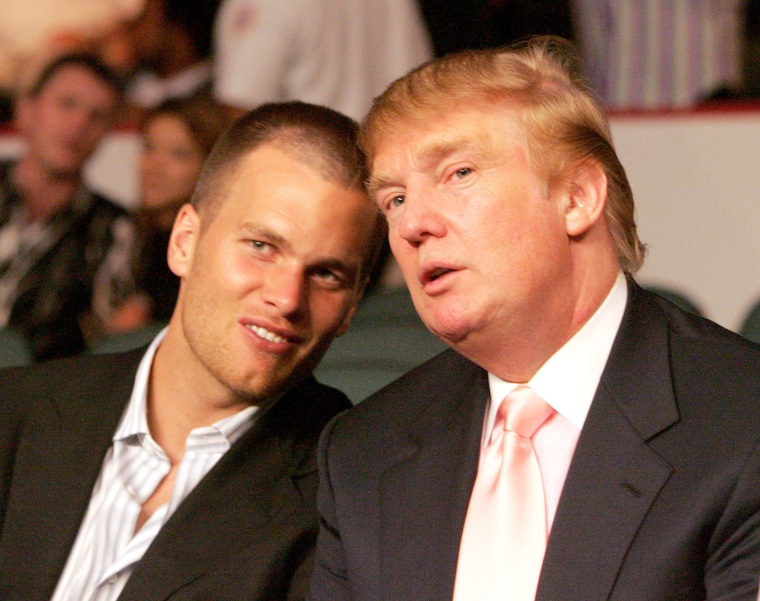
x=504 y=537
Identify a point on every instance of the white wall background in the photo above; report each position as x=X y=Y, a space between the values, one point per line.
x=696 y=181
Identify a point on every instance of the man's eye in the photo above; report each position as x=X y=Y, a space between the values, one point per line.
x=328 y=277
x=463 y=172
x=396 y=201
x=325 y=274
x=260 y=246
x=67 y=102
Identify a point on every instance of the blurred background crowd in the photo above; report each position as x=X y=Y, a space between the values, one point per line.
x=77 y=268
x=637 y=54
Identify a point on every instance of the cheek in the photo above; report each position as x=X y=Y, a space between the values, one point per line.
x=401 y=249
x=235 y=271
x=329 y=312
x=146 y=164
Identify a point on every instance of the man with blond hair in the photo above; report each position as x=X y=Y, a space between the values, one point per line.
x=583 y=439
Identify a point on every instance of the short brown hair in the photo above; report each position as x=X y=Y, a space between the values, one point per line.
x=539 y=79
x=205 y=119
x=82 y=60
x=317 y=136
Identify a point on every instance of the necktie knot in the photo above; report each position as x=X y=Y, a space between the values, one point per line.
x=523 y=412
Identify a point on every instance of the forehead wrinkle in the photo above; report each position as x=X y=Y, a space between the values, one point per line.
x=429 y=155
x=433 y=152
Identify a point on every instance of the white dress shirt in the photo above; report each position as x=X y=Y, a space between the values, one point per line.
x=568 y=382
x=107 y=547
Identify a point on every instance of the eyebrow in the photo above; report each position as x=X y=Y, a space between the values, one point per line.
x=429 y=155
x=351 y=271
x=252 y=229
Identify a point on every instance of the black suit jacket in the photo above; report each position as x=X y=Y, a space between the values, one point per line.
x=661 y=502
x=247 y=531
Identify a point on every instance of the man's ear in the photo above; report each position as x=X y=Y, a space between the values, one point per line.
x=586 y=189
x=183 y=240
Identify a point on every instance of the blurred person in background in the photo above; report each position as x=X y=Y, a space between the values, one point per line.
x=164 y=52
x=336 y=53
x=177 y=138
x=34 y=32
x=660 y=54
x=64 y=249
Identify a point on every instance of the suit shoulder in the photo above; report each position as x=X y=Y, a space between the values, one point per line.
x=308 y=407
x=687 y=325
x=432 y=389
x=701 y=336
x=70 y=384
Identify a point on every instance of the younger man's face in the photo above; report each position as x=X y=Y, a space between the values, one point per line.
x=273 y=276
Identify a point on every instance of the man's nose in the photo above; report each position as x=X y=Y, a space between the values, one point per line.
x=285 y=288
x=421 y=218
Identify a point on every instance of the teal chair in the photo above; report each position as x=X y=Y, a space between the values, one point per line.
x=677 y=298
x=385 y=340
x=751 y=325
x=14 y=349
x=128 y=340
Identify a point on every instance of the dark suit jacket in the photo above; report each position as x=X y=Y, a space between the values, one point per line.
x=247 y=531
x=661 y=502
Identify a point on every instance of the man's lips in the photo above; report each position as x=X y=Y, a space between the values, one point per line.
x=266 y=334
x=434 y=271
x=276 y=336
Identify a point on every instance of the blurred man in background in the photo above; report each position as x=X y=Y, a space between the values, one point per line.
x=64 y=249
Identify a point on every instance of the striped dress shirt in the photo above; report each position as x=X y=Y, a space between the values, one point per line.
x=654 y=54
x=107 y=548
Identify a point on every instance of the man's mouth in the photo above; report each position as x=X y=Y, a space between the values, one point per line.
x=436 y=273
x=431 y=275
x=266 y=334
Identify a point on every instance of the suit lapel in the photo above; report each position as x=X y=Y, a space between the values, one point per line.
x=424 y=495
x=236 y=503
x=235 y=499
x=614 y=476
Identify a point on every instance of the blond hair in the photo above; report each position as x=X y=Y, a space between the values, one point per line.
x=538 y=81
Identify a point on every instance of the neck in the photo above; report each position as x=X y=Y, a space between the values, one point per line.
x=44 y=193
x=177 y=402
x=518 y=351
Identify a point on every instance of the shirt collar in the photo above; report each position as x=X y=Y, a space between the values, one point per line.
x=569 y=378
x=135 y=419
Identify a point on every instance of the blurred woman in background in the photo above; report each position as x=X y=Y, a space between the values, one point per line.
x=177 y=137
